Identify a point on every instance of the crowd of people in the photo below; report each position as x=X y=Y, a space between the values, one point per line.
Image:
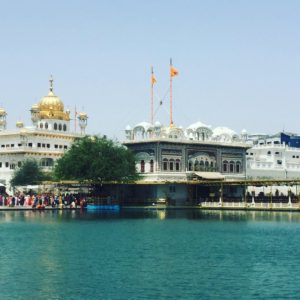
x=41 y=201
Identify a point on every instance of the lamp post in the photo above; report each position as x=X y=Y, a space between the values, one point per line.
x=290 y=197
x=221 y=195
x=253 y=197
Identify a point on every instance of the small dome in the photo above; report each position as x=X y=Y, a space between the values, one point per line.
x=244 y=131
x=19 y=124
x=197 y=125
x=2 y=112
x=145 y=125
x=128 y=127
x=35 y=107
x=82 y=116
x=223 y=131
x=157 y=124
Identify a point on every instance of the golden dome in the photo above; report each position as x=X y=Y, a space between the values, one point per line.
x=51 y=102
x=51 y=107
x=19 y=124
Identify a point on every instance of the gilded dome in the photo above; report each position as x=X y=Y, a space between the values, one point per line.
x=51 y=107
x=51 y=103
x=19 y=124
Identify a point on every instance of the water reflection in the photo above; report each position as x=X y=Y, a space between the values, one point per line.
x=57 y=216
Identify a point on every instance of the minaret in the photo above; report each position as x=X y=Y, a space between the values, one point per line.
x=34 y=113
x=3 y=115
x=82 y=117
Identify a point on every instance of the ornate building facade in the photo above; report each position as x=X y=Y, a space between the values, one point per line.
x=45 y=140
x=174 y=156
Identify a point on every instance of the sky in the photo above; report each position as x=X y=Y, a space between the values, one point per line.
x=238 y=61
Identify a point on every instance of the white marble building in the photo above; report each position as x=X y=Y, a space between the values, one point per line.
x=273 y=157
x=45 y=140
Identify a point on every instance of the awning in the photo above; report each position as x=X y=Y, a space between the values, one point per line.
x=209 y=175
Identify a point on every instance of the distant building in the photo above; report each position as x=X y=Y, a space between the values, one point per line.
x=45 y=140
x=174 y=155
x=274 y=156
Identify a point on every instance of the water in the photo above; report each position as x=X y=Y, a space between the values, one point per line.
x=149 y=255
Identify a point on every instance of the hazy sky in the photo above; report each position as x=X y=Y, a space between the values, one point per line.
x=238 y=61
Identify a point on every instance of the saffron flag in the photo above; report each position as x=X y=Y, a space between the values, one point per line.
x=173 y=71
x=153 y=79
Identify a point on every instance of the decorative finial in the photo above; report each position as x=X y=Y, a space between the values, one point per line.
x=51 y=83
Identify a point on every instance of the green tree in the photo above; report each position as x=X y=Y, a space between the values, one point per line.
x=29 y=173
x=96 y=159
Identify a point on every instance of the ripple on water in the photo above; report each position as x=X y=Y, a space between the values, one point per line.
x=149 y=255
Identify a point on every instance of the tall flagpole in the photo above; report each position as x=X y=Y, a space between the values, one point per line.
x=152 y=84
x=75 y=119
x=171 y=95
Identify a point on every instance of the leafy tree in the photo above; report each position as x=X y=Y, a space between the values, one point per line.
x=29 y=173
x=96 y=159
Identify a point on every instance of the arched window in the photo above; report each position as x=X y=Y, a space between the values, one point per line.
x=41 y=125
x=206 y=165
x=190 y=166
x=177 y=165
x=231 y=167
x=151 y=166
x=65 y=127
x=142 y=166
x=197 y=166
x=225 y=166
x=201 y=165
x=211 y=165
x=171 y=165
x=46 y=125
x=59 y=127
x=203 y=136
x=165 y=164
x=238 y=167
x=55 y=126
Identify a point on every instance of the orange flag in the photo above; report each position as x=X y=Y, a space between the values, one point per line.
x=153 y=79
x=173 y=71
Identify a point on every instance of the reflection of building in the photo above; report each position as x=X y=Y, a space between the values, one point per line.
x=46 y=140
x=174 y=155
x=274 y=156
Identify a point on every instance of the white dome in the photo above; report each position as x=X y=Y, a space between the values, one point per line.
x=223 y=131
x=198 y=124
x=128 y=127
x=157 y=124
x=244 y=131
x=144 y=125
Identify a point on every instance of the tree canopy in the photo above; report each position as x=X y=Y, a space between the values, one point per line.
x=29 y=173
x=96 y=159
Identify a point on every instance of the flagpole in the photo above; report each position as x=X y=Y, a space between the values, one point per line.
x=171 y=96
x=75 y=120
x=152 y=83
